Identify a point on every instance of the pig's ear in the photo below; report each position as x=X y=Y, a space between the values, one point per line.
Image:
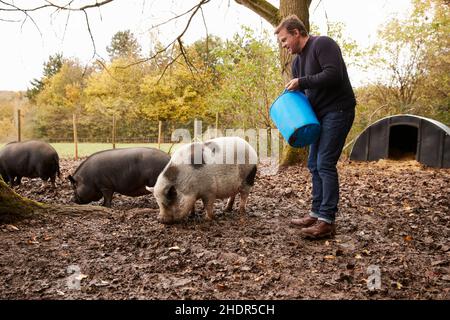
x=150 y=189
x=171 y=193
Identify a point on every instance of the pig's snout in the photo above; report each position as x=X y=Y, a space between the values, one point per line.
x=75 y=200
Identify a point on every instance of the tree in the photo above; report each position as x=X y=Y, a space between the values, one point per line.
x=179 y=96
x=124 y=45
x=414 y=61
x=51 y=67
x=274 y=15
x=250 y=81
x=61 y=96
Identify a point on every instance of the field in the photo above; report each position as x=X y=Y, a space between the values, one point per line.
x=392 y=242
x=67 y=150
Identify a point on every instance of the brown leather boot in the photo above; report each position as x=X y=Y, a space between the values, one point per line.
x=319 y=230
x=304 y=222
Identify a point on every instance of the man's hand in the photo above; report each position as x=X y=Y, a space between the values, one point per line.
x=292 y=85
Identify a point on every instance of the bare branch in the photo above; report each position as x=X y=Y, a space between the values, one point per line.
x=27 y=16
x=167 y=67
x=173 y=18
x=318 y=3
x=90 y=33
x=11 y=7
x=176 y=40
x=7 y=20
x=52 y=5
x=207 y=36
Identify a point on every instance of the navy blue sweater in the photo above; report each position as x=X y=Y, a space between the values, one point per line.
x=323 y=76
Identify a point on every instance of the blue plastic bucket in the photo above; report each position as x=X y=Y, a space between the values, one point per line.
x=295 y=119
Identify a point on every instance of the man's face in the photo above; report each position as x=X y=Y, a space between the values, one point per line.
x=291 y=42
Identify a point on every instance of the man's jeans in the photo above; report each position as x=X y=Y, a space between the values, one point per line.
x=322 y=160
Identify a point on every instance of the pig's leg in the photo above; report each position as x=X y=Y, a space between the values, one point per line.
x=230 y=202
x=16 y=181
x=107 y=197
x=209 y=205
x=52 y=181
x=193 y=210
x=243 y=201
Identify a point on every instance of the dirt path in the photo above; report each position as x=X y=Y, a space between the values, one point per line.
x=394 y=220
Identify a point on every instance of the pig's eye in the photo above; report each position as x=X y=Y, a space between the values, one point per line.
x=171 y=193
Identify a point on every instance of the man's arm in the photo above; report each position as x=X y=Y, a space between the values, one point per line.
x=293 y=84
x=329 y=57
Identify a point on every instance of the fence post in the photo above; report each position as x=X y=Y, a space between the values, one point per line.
x=197 y=130
x=217 y=123
x=19 y=126
x=114 y=131
x=159 y=134
x=75 y=135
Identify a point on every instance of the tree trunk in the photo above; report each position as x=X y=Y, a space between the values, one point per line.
x=14 y=207
x=300 y=8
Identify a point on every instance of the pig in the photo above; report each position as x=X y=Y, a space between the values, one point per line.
x=126 y=171
x=207 y=171
x=31 y=159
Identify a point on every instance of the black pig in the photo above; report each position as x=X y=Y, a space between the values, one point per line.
x=126 y=171
x=31 y=159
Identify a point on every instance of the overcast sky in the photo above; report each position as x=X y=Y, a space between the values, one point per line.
x=25 y=48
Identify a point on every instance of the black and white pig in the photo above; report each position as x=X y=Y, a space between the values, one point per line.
x=126 y=171
x=215 y=169
x=31 y=159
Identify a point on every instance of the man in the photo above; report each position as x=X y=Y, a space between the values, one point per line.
x=319 y=71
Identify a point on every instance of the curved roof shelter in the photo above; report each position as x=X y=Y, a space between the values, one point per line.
x=405 y=136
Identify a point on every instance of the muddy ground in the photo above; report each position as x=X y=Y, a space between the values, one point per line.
x=394 y=222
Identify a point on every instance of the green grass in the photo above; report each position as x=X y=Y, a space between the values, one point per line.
x=67 y=150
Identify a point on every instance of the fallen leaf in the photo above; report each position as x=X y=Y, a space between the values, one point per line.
x=408 y=238
x=446 y=277
x=33 y=240
x=102 y=283
x=439 y=262
x=81 y=276
x=60 y=293
x=175 y=248
x=330 y=257
x=11 y=227
x=407 y=208
x=358 y=256
x=221 y=287
x=399 y=285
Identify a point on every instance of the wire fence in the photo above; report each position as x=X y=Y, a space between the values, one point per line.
x=74 y=140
